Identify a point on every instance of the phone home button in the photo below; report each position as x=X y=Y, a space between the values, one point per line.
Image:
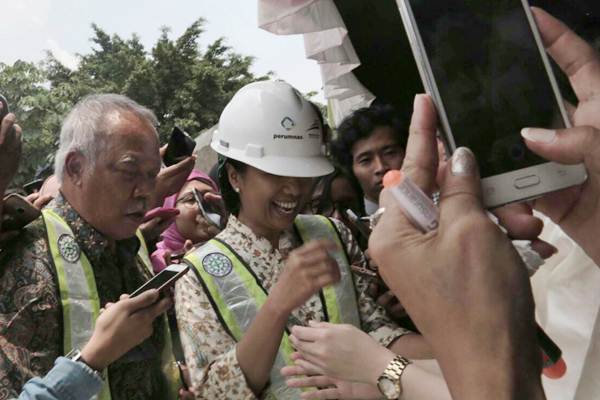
x=527 y=181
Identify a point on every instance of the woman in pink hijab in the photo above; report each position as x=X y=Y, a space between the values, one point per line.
x=189 y=225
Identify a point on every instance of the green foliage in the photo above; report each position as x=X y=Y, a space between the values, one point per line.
x=181 y=83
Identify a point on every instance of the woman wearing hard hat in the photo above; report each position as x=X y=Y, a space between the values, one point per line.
x=270 y=268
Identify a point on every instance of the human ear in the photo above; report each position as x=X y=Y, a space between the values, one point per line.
x=74 y=167
x=234 y=177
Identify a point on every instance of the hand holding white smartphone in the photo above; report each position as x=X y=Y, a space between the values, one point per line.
x=485 y=67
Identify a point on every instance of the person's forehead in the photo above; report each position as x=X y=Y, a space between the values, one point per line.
x=129 y=135
x=196 y=184
x=381 y=136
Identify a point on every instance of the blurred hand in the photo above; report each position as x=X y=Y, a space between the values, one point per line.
x=186 y=394
x=329 y=388
x=464 y=284
x=152 y=228
x=122 y=326
x=521 y=224
x=205 y=229
x=575 y=209
x=340 y=351
x=10 y=150
x=307 y=269
x=217 y=200
x=39 y=201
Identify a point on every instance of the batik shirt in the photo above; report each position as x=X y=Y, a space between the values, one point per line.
x=31 y=332
x=210 y=352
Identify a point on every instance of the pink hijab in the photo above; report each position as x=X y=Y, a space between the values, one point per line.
x=171 y=239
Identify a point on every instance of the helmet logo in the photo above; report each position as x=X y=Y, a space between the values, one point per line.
x=287 y=123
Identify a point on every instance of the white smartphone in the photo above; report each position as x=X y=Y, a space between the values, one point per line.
x=164 y=279
x=484 y=65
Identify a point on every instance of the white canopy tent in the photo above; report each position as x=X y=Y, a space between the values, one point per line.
x=326 y=41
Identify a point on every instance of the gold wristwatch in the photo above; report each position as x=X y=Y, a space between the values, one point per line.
x=389 y=382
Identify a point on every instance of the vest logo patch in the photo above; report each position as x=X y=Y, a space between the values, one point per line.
x=68 y=248
x=217 y=264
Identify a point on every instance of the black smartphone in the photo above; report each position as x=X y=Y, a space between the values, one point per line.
x=17 y=212
x=33 y=186
x=209 y=211
x=164 y=279
x=3 y=107
x=180 y=146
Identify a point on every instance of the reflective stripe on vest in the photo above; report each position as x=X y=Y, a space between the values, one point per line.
x=340 y=298
x=237 y=295
x=80 y=301
x=168 y=363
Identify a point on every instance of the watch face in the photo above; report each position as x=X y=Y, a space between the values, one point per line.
x=389 y=388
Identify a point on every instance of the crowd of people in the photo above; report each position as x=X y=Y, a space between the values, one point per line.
x=288 y=296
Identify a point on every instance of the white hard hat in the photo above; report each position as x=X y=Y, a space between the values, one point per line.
x=270 y=126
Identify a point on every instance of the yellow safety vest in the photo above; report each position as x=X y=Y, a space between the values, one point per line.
x=80 y=301
x=236 y=293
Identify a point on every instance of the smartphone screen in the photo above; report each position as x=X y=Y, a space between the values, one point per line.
x=490 y=76
x=162 y=279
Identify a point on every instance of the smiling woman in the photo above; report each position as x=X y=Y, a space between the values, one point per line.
x=270 y=268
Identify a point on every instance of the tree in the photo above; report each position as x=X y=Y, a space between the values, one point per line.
x=182 y=84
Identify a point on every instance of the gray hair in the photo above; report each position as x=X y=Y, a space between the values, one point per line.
x=84 y=128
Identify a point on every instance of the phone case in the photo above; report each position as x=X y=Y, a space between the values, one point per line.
x=17 y=212
x=180 y=146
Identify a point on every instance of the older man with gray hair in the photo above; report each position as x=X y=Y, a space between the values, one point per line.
x=84 y=252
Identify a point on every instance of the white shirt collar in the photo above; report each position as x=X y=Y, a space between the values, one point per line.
x=370 y=206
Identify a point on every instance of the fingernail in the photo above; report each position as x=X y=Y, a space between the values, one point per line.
x=392 y=178
x=419 y=98
x=539 y=135
x=463 y=162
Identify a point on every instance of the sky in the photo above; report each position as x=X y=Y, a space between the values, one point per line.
x=30 y=27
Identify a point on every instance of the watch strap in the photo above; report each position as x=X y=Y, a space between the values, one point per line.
x=75 y=355
x=395 y=369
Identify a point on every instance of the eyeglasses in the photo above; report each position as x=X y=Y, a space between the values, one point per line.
x=187 y=200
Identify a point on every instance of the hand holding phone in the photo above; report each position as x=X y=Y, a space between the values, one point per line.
x=210 y=211
x=119 y=328
x=164 y=279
